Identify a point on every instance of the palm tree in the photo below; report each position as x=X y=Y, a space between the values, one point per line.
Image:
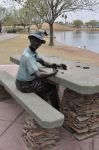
x=65 y=17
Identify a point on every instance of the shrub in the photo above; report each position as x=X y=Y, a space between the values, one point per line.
x=11 y=31
x=19 y=29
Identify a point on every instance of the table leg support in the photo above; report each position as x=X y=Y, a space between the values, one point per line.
x=81 y=113
x=37 y=138
x=4 y=95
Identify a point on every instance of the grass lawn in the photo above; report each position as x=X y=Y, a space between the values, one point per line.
x=16 y=45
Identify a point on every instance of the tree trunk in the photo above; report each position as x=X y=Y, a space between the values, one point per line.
x=29 y=28
x=51 y=35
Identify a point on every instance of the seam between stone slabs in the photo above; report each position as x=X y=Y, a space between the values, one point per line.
x=12 y=123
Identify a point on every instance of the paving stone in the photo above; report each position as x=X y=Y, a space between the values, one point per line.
x=5 y=36
x=95 y=143
x=68 y=142
x=4 y=125
x=21 y=119
x=12 y=140
x=9 y=112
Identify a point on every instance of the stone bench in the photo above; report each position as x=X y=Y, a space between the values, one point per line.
x=43 y=113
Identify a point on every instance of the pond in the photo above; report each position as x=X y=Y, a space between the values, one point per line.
x=87 y=40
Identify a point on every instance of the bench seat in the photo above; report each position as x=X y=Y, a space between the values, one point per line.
x=43 y=113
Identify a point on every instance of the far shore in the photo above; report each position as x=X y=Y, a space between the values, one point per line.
x=57 y=27
x=61 y=27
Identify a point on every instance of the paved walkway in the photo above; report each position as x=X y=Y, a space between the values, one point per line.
x=5 y=36
x=12 y=119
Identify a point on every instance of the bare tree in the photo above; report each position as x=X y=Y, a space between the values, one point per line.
x=33 y=16
x=38 y=21
x=51 y=9
x=2 y=13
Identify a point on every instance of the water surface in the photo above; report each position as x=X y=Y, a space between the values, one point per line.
x=87 y=40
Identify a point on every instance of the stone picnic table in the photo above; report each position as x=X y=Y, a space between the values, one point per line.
x=80 y=100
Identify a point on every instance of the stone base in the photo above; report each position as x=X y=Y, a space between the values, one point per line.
x=3 y=94
x=37 y=138
x=81 y=113
x=84 y=135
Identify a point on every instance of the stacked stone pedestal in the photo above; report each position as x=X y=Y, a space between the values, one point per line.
x=37 y=138
x=4 y=95
x=81 y=113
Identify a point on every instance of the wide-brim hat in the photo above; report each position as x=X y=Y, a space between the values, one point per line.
x=39 y=35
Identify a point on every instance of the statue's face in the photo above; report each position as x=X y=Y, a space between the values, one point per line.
x=35 y=43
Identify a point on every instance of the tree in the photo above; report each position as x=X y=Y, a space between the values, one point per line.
x=77 y=23
x=29 y=15
x=92 y=23
x=49 y=10
x=32 y=15
x=11 y=17
x=2 y=13
x=65 y=17
x=38 y=21
x=22 y=17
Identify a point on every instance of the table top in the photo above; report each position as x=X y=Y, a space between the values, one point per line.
x=81 y=78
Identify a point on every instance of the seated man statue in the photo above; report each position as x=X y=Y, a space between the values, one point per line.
x=30 y=78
